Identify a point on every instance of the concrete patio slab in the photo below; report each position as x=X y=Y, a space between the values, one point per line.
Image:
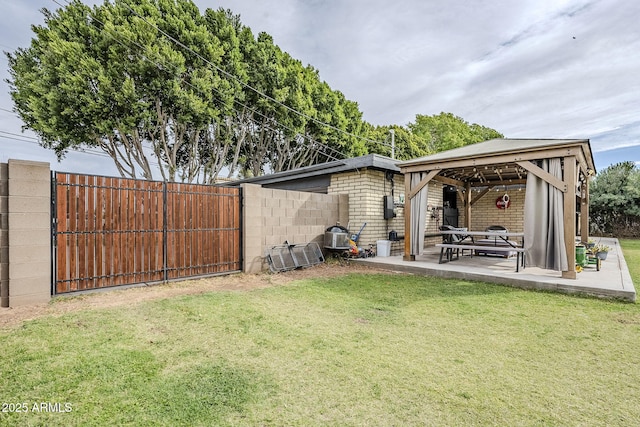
x=612 y=281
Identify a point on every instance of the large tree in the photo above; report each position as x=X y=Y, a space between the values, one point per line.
x=406 y=145
x=198 y=92
x=113 y=78
x=615 y=200
x=144 y=79
x=446 y=131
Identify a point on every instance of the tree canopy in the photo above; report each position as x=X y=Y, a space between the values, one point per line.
x=445 y=131
x=156 y=81
x=615 y=200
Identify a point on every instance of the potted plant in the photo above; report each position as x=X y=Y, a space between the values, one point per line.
x=601 y=251
x=590 y=244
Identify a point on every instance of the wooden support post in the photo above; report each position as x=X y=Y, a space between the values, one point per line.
x=584 y=212
x=570 y=216
x=467 y=206
x=407 y=219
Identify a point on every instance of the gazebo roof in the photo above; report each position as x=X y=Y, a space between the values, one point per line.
x=503 y=150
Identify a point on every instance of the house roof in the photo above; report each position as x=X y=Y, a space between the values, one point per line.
x=372 y=161
x=502 y=146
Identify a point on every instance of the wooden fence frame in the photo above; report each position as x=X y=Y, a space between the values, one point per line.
x=119 y=231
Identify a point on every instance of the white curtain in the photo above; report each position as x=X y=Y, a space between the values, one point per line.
x=544 y=221
x=418 y=214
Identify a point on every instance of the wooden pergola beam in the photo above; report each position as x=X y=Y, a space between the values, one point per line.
x=570 y=216
x=481 y=194
x=412 y=193
x=495 y=160
x=449 y=181
x=544 y=175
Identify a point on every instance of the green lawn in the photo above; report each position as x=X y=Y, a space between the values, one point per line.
x=362 y=350
x=631 y=250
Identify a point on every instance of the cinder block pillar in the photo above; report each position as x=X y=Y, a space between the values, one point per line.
x=343 y=209
x=4 y=235
x=252 y=224
x=29 y=225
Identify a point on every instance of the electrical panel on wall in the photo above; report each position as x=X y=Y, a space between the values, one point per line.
x=388 y=207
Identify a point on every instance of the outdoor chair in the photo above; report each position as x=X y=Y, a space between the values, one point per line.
x=456 y=239
x=496 y=228
x=496 y=241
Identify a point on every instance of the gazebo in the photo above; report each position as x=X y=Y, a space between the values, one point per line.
x=555 y=173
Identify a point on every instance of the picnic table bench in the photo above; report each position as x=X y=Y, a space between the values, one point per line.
x=457 y=240
x=444 y=246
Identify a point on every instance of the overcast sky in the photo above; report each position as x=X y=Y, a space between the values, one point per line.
x=527 y=68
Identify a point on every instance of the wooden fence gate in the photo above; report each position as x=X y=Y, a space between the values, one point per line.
x=115 y=231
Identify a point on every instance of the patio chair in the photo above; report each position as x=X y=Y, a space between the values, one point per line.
x=496 y=228
x=454 y=239
x=496 y=241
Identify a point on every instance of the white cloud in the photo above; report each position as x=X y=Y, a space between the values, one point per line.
x=534 y=68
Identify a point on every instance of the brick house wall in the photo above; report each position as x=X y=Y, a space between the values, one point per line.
x=365 y=189
x=485 y=213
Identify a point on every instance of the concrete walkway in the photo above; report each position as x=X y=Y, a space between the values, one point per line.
x=612 y=281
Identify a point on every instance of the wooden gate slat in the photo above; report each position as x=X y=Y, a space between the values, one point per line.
x=99 y=224
x=117 y=234
x=108 y=247
x=111 y=231
x=91 y=232
x=62 y=272
x=129 y=250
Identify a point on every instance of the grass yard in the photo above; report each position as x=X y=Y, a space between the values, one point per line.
x=631 y=251
x=361 y=350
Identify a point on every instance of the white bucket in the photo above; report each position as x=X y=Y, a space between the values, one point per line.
x=384 y=247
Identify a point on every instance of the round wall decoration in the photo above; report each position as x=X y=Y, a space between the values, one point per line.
x=503 y=202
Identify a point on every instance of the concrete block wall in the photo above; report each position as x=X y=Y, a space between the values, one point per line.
x=29 y=229
x=252 y=246
x=273 y=216
x=4 y=235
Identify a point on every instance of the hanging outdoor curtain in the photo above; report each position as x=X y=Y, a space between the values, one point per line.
x=544 y=220
x=418 y=214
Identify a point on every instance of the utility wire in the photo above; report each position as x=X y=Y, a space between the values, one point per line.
x=264 y=95
x=20 y=136
x=252 y=110
x=35 y=141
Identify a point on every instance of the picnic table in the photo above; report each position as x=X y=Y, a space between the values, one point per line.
x=492 y=242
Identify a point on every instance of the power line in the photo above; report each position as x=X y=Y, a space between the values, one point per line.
x=319 y=147
x=35 y=141
x=17 y=139
x=26 y=137
x=264 y=95
x=160 y=66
